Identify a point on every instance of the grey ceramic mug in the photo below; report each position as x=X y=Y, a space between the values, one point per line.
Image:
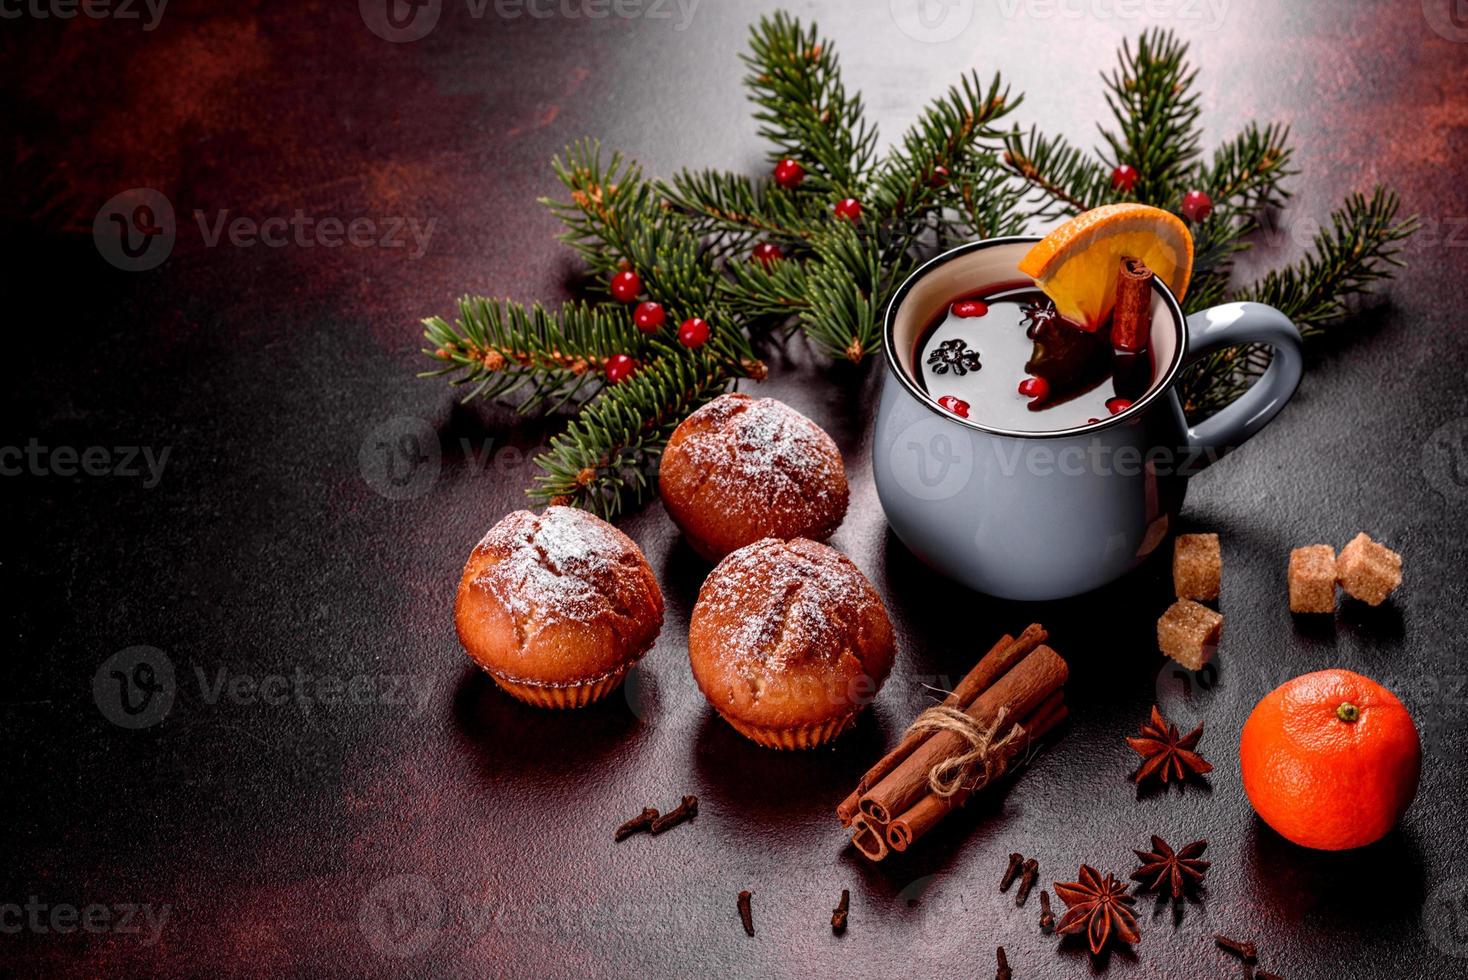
x=1043 y=515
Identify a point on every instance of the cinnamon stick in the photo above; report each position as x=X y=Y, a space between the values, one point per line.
x=931 y=808
x=870 y=838
x=1018 y=693
x=992 y=666
x=1131 y=317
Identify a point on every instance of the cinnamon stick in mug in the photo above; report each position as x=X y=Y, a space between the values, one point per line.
x=1131 y=317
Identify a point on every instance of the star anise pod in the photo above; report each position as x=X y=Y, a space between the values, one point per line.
x=1177 y=870
x=1164 y=754
x=1099 y=908
x=954 y=355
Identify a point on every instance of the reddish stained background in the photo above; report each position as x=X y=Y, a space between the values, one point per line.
x=271 y=831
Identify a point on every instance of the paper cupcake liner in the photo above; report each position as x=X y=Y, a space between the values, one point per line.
x=799 y=737
x=576 y=695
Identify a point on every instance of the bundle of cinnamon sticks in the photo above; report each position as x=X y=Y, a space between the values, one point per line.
x=1013 y=697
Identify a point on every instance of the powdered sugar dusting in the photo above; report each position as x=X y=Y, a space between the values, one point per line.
x=563 y=565
x=760 y=445
x=774 y=590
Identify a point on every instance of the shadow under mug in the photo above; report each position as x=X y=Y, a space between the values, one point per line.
x=1045 y=515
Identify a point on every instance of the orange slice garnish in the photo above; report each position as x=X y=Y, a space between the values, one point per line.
x=1076 y=264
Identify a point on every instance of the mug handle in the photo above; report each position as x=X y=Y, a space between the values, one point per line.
x=1229 y=325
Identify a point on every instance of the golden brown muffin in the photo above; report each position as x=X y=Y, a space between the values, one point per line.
x=557 y=607
x=789 y=641
x=740 y=469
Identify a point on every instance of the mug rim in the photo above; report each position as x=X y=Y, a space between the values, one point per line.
x=1159 y=388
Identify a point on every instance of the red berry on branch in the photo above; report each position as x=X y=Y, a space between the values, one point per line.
x=940 y=176
x=625 y=286
x=1197 y=206
x=619 y=368
x=694 y=333
x=1124 y=177
x=1117 y=405
x=970 y=307
x=767 y=254
x=848 y=208
x=789 y=174
x=649 y=316
x=1036 y=388
x=957 y=406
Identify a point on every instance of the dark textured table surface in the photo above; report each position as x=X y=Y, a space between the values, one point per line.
x=333 y=791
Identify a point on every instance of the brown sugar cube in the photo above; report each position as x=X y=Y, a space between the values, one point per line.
x=1312 y=579
x=1368 y=571
x=1197 y=566
x=1188 y=633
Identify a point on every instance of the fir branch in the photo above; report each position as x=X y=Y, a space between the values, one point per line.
x=795 y=79
x=1359 y=248
x=982 y=203
x=732 y=210
x=604 y=459
x=607 y=199
x=1151 y=96
x=1244 y=181
x=844 y=287
x=500 y=348
x=955 y=132
x=1063 y=180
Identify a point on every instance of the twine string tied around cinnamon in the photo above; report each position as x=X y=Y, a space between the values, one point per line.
x=986 y=757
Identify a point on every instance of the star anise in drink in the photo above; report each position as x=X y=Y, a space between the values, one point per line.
x=1037 y=315
x=953 y=355
x=1167 y=755
x=1176 y=871
x=1101 y=908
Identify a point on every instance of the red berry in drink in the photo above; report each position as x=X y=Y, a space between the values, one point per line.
x=767 y=254
x=970 y=307
x=619 y=368
x=1037 y=388
x=789 y=174
x=694 y=333
x=1117 y=405
x=625 y=286
x=957 y=406
x=1124 y=177
x=649 y=316
x=848 y=208
x=1197 y=206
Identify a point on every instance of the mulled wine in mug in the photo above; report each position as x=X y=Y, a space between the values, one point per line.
x=1029 y=459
